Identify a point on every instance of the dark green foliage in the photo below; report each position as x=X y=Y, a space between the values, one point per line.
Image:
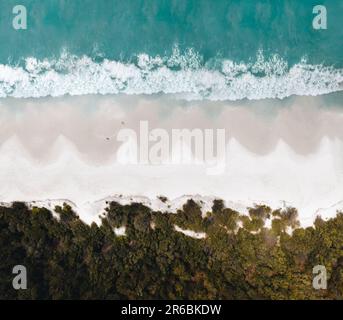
x=239 y=259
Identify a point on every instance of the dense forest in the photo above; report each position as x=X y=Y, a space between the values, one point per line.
x=240 y=257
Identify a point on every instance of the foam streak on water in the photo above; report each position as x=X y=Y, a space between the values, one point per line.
x=182 y=74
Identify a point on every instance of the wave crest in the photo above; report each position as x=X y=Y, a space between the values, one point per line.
x=185 y=75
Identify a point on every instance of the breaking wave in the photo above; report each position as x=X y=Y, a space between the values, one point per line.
x=185 y=75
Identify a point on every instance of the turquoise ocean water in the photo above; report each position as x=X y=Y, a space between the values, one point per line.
x=196 y=49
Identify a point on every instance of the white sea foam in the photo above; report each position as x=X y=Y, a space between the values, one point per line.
x=184 y=75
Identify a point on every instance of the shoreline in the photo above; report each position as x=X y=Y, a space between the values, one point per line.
x=278 y=151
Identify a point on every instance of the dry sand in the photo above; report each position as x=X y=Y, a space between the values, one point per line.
x=66 y=148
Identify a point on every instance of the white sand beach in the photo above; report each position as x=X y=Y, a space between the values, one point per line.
x=278 y=153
